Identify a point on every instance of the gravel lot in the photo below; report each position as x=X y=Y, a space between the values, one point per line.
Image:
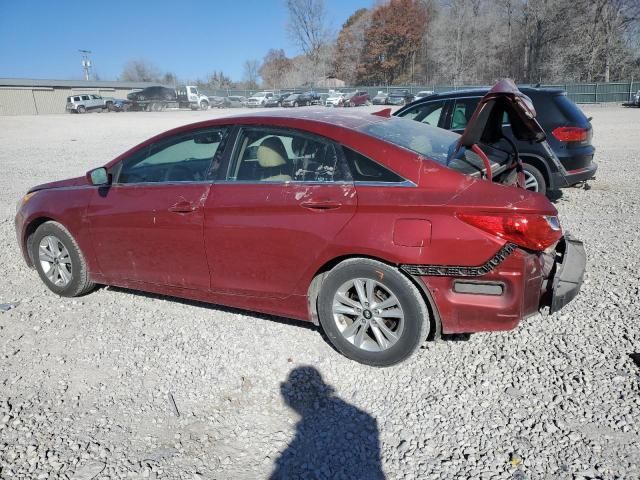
x=119 y=384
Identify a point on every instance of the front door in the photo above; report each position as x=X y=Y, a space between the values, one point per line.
x=148 y=225
x=286 y=196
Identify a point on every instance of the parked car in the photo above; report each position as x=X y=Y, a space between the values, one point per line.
x=380 y=98
x=422 y=94
x=356 y=99
x=216 y=101
x=634 y=101
x=292 y=100
x=119 y=105
x=234 y=101
x=88 y=102
x=565 y=159
x=274 y=212
x=399 y=97
x=309 y=98
x=276 y=100
x=259 y=99
x=334 y=99
x=157 y=98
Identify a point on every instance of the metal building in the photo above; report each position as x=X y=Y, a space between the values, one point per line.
x=25 y=96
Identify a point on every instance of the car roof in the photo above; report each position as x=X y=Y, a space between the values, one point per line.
x=480 y=91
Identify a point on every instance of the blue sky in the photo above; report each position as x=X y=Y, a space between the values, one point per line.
x=40 y=39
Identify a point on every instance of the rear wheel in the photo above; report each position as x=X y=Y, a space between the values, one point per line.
x=533 y=179
x=59 y=261
x=204 y=105
x=81 y=109
x=372 y=313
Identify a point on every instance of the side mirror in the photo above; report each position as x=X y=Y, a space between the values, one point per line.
x=99 y=176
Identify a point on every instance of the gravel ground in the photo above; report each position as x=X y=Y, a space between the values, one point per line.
x=119 y=384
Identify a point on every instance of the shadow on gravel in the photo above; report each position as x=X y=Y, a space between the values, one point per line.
x=554 y=195
x=636 y=358
x=333 y=438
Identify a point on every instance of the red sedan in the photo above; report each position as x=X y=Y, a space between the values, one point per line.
x=382 y=230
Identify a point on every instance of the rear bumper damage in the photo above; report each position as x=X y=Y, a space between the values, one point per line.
x=511 y=286
x=566 y=274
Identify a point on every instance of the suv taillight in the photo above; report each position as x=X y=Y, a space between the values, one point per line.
x=570 y=134
x=532 y=231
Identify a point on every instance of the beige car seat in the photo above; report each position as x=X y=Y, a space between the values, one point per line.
x=273 y=158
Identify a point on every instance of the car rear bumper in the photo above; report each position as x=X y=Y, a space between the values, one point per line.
x=513 y=285
x=581 y=174
x=566 y=275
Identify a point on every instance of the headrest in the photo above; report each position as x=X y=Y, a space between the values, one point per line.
x=271 y=153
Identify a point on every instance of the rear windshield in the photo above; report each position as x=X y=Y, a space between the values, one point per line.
x=424 y=139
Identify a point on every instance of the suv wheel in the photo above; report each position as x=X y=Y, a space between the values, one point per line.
x=372 y=313
x=533 y=179
x=204 y=105
x=81 y=109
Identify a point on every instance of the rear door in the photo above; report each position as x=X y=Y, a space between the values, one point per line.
x=148 y=225
x=285 y=197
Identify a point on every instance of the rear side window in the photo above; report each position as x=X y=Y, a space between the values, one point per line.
x=76 y=99
x=570 y=110
x=428 y=113
x=85 y=97
x=364 y=169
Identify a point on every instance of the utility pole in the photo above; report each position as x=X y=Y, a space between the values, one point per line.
x=86 y=62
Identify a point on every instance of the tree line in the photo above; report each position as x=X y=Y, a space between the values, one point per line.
x=422 y=42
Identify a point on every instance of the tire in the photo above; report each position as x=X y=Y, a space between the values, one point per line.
x=81 y=109
x=295 y=104
x=534 y=180
x=376 y=348
x=204 y=105
x=53 y=241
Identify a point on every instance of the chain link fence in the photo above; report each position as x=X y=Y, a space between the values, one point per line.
x=578 y=92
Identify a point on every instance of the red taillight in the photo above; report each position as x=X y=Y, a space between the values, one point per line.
x=535 y=232
x=571 y=134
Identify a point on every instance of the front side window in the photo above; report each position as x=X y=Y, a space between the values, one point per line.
x=85 y=97
x=462 y=111
x=428 y=113
x=191 y=157
x=264 y=155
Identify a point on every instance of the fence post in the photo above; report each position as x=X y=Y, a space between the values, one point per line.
x=596 y=92
x=630 y=89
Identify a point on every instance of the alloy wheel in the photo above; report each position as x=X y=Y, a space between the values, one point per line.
x=368 y=314
x=55 y=261
x=530 y=182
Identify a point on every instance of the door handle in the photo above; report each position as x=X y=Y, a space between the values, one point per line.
x=321 y=205
x=182 y=207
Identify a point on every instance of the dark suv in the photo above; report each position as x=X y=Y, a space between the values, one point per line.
x=568 y=130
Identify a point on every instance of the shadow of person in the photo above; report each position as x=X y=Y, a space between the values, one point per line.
x=334 y=440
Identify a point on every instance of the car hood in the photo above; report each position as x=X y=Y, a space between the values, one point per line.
x=485 y=125
x=69 y=182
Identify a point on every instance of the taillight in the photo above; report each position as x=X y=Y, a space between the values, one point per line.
x=532 y=231
x=571 y=134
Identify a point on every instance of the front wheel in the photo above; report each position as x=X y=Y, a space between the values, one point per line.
x=533 y=179
x=59 y=261
x=81 y=109
x=372 y=313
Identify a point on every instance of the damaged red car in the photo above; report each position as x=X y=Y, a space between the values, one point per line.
x=382 y=230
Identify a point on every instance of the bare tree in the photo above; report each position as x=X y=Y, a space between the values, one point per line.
x=308 y=25
x=140 y=71
x=251 y=74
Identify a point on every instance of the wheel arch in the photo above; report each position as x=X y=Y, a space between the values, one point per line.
x=27 y=238
x=319 y=276
x=540 y=164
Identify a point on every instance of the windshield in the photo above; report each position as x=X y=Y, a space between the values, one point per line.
x=424 y=139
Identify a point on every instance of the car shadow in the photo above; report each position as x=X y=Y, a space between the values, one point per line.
x=333 y=438
x=554 y=195
x=216 y=307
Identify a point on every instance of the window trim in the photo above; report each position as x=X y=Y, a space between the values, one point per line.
x=373 y=183
x=276 y=130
